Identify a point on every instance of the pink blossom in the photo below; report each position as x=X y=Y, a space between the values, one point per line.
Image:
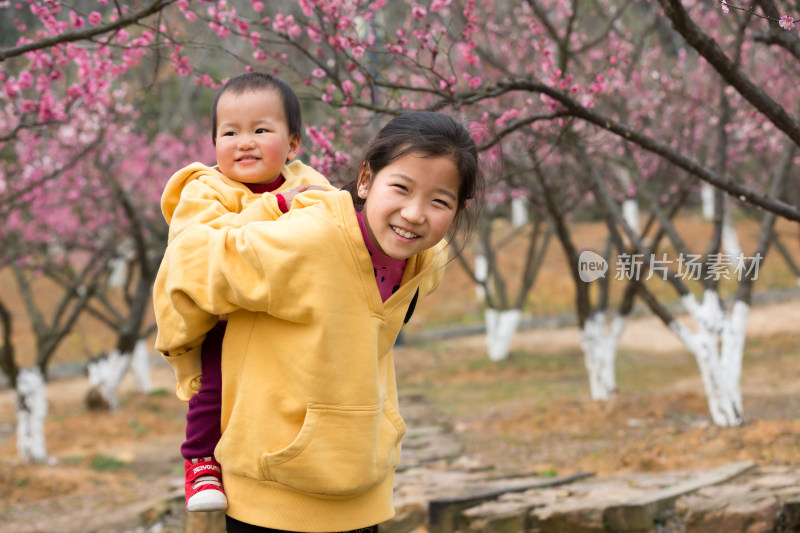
x=95 y=18
x=318 y=73
x=242 y=26
x=25 y=80
x=11 y=89
x=786 y=22
x=75 y=20
x=377 y=5
x=347 y=86
x=258 y=7
x=418 y=12
x=294 y=30
x=314 y=34
x=508 y=115
x=725 y=8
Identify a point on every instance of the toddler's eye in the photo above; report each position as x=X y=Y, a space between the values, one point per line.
x=262 y=130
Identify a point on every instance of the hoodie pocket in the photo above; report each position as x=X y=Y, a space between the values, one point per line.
x=340 y=450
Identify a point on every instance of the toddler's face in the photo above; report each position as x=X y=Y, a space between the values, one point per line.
x=410 y=204
x=253 y=141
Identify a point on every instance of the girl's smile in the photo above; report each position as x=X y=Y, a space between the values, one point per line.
x=410 y=204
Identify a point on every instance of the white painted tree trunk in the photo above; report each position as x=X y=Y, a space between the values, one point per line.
x=519 y=211
x=599 y=344
x=730 y=238
x=481 y=273
x=107 y=372
x=141 y=366
x=31 y=414
x=630 y=212
x=119 y=273
x=718 y=348
x=501 y=326
x=707 y=200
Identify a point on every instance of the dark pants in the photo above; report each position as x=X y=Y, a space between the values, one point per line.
x=234 y=526
x=205 y=407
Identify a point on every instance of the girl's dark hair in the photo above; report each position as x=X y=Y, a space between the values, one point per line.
x=431 y=134
x=259 y=81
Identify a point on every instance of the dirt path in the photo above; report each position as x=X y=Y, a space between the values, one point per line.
x=648 y=334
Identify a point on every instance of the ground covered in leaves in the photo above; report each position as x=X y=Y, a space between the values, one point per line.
x=530 y=413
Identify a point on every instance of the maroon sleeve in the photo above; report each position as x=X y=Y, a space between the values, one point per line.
x=282 y=203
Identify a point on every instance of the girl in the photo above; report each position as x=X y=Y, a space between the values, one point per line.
x=310 y=428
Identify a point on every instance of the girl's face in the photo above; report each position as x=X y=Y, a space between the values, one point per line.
x=410 y=204
x=253 y=141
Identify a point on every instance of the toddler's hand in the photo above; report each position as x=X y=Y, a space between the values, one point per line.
x=290 y=194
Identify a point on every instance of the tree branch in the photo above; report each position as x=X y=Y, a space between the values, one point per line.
x=85 y=34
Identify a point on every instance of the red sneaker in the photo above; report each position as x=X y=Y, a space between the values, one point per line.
x=204 y=485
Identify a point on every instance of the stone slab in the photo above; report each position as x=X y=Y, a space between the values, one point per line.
x=640 y=513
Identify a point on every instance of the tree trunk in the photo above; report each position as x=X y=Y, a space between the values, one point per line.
x=105 y=375
x=481 y=274
x=501 y=326
x=630 y=212
x=519 y=211
x=31 y=414
x=707 y=200
x=730 y=238
x=141 y=366
x=718 y=346
x=599 y=344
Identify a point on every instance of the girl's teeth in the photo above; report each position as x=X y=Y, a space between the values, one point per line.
x=405 y=234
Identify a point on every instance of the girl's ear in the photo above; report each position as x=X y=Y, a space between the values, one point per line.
x=364 y=177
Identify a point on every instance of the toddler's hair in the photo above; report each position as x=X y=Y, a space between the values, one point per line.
x=431 y=134
x=260 y=81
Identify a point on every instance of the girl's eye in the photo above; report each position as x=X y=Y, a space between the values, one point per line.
x=229 y=134
x=443 y=203
x=262 y=130
x=400 y=187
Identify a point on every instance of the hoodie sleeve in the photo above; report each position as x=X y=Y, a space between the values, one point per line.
x=201 y=195
x=207 y=272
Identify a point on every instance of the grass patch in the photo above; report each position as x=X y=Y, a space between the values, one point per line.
x=137 y=428
x=105 y=463
x=475 y=384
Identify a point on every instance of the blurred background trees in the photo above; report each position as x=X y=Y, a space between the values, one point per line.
x=620 y=111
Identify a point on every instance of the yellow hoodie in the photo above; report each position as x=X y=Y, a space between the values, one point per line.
x=198 y=194
x=310 y=425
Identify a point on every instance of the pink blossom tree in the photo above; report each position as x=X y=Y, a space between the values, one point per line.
x=573 y=85
x=81 y=179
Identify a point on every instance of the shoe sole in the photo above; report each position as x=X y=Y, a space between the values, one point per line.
x=207 y=502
